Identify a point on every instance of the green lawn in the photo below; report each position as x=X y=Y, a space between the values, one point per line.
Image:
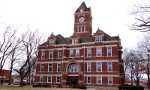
x=30 y=88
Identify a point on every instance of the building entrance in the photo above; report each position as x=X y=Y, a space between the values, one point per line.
x=72 y=81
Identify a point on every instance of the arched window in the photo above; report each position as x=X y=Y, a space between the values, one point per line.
x=73 y=68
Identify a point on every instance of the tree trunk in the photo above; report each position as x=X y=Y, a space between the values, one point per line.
x=131 y=78
x=137 y=81
x=148 y=76
x=21 y=78
x=10 y=77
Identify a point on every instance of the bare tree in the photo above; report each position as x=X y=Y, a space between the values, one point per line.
x=144 y=46
x=5 y=45
x=142 y=17
x=133 y=61
x=142 y=24
x=14 y=56
x=30 y=42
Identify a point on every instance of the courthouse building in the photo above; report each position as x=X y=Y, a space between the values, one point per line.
x=84 y=58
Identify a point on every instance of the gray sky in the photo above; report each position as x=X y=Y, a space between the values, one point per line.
x=57 y=16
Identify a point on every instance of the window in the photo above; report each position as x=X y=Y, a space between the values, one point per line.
x=98 y=66
x=99 y=80
x=81 y=28
x=52 y=41
x=99 y=38
x=110 y=80
x=89 y=52
x=88 y=80
x=42 y=54
x=42 y=79
x=98 y=52
x=58 y=67
x=109 y=66
x=41 y=67
x=50 y=54
x=109 y=51
x=49 y=79
x=59 y=54
x=74 y=52
x=49 y=67
x=77 y=52
x=73 y=68
x=88 y=67
x=71 y=52
x=58 y=79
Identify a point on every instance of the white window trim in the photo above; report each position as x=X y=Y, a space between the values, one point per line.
x=99 y=38
x=87 y=80
x=89 y=66
x=97 y=66
x=71 y=52
x=58 y=67
x=41 y=67
x=70 y=70
x=41 y=79
x=60 y=53
x=97 y=80
x=108 y=67
x=81 y=28
x=89 y=49
x=97 y=49
x=77 y=50
x=48 y=80
x=109 y=79
x=107 y=51
x=49 y=54
x=42 y=55
x=51 y=67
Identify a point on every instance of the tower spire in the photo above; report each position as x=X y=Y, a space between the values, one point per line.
x=83 y=21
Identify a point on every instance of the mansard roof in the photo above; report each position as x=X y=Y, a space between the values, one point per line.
x=106 y=36
x=83 y=7
x=68 y=40
x=61 y=40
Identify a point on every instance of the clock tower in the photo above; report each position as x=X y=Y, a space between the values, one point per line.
x=82 y=21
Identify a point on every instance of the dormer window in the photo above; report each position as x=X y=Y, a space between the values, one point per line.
x=51 y=41
x=74 y=40
x=99 y=38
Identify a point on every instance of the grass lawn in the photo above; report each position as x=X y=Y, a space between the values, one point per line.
x=31 y=88
x=41 y=88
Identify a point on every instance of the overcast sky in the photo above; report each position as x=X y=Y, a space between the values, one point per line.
x=57 y=16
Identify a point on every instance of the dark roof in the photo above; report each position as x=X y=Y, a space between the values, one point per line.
x=106 y=37
x=99 y=31
x=61 y=40
x=52 y=36
x=85 y=39
x=83 y=7
x=115 y=38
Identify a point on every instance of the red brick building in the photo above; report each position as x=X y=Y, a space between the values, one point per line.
x=4 y=75
x=81 y=59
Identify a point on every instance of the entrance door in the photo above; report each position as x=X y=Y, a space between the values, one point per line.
x=72 y=81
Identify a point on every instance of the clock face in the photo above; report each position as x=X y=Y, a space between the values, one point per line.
x=81 y=19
